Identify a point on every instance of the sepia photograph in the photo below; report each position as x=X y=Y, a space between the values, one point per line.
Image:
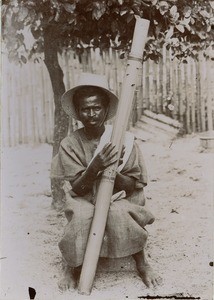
x=107 y=149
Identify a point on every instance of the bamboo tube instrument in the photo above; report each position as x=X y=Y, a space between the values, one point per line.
x=105 y=189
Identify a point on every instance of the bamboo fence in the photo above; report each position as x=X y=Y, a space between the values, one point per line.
x=182 y=91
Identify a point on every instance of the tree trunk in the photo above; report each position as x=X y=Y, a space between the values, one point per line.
x=61 y=119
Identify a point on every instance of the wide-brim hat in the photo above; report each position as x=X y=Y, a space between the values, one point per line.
x=89 y=80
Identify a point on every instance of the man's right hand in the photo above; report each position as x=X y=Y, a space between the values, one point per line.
x=106 y=157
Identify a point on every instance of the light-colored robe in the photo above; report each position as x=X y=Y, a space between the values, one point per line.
x=125 y=233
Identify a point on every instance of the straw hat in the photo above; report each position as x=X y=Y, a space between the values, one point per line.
x=88 y=79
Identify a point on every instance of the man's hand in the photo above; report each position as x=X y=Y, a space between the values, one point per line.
x=106 y=157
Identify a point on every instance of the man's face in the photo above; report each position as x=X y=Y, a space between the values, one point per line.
x=92 y=112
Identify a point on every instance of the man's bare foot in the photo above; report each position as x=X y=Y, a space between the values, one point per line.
x=146 y=272
x=148 y=276
x=68 y=280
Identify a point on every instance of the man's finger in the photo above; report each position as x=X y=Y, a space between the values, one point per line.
x=110 y=151
x=107 y=148
x=120 y=161
x=111 y=162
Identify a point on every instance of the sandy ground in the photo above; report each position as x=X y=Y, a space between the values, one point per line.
x=180 y=243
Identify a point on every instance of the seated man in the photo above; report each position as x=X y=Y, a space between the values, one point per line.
x=80 y=161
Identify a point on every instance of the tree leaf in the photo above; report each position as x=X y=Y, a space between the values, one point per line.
x=188 y=27
x=11 y=42
x=122 y=55
x=69 y=7
x=205 y=14
x=187 y=11
x=185 y=21
x=57 y=16
x=154 y=2
x=180 y=28
x=175 y=42
x=123 y=12
x=15 y=9
x=173 y=10
x=23 y=12
x=163 y=7
x=174 y=18
x=170 y=32
x=192 y=20
x=202 y=34
x=96 y=14
x=114 y=26
x=3 y=9
x=209 y=28
x=99 y=10
x=23 y=59
x=129 y=18
x=158 y=28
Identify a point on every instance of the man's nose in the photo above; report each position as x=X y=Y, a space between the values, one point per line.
x=91 y=112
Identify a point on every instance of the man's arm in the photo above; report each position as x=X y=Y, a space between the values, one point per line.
x=106 y=157
x=126 y=183
x=84 y=183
